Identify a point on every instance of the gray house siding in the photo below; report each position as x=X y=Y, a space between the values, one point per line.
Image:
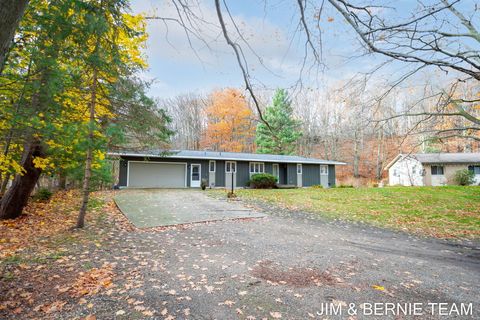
x=311 y=175
x=331 y=176
x=220 y=174
x=292 y=173
x=287 y=171
x=243 y=173
x=122 y=179
x=282 y=167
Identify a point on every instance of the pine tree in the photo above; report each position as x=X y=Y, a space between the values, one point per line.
x=284 y=133
x=70 y=93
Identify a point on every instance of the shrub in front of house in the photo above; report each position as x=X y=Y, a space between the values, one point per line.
x=263 y=181
x=204 y=184
x=464 y=177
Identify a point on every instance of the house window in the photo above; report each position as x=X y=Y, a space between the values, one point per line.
x=437 y=170
x=212 y=166
x=474 y=169
x=299 y=168
x=324 y=170
x=414 y=170
x=230 y=166
x=257 y=167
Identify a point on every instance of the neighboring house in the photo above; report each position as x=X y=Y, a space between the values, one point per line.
x=431 y=169
x=186 y=168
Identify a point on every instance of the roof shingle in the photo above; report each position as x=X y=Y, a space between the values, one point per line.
x=220 y=155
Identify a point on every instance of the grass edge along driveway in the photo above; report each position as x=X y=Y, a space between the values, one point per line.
x=442 y=212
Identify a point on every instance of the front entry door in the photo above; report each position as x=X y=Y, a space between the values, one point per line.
x=195 y=176
x=230 y=174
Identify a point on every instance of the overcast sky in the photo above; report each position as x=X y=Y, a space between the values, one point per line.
x=271 y=31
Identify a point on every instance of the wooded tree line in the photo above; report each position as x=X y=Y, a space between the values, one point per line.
x=69 y=93
x=437 y=38
x=345 y=122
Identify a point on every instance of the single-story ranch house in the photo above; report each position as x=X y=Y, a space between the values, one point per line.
x=187 y=168
x=431 y=169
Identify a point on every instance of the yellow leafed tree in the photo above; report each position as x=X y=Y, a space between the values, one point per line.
x=230 y=124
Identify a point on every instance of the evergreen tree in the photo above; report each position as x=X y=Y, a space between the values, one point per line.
x=285 y=129
x=70 y=93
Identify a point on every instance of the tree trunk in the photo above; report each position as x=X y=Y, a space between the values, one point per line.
x=62 y=181
x=5 y=180
x=88 y=162
x=17 y=196
x=11 y=12
x=379 y=165
x=356 y=155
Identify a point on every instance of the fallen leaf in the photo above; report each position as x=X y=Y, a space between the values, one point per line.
x=139 y=308
x=228 y=303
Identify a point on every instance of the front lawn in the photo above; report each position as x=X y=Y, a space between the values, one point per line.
x=436 y=211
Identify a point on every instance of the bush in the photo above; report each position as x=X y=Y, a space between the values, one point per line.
x=317 y=186
x=203 y=184
x=345 y=186
x=464 y=177
x=43 y=194
x=263 y=181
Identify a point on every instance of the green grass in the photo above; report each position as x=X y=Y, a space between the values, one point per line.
x=445 y=212
x=37 y=258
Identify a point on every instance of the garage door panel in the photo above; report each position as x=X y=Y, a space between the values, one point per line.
x=156 y=175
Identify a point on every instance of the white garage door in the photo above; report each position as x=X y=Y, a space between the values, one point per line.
x=156 y=175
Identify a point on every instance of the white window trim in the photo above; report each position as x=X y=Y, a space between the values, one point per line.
x=436 y=174
x=199 y=173
x=473 y=167
x=275 y=165
x=214 y=166
x=326 y=170
x=261 y=166
x=299 y=166
x=231 y=162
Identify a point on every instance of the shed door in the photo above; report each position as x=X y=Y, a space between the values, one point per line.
x=156 y=175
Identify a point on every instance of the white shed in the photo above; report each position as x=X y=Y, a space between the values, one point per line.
x=431 y=169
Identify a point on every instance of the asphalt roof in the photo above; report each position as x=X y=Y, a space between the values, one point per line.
x=469 y=158
x=447 y=157
x=220 y=155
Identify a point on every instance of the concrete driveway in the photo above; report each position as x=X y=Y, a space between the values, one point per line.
x=149 y=208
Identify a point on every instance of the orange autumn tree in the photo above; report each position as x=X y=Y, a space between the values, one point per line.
x=230 y=125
